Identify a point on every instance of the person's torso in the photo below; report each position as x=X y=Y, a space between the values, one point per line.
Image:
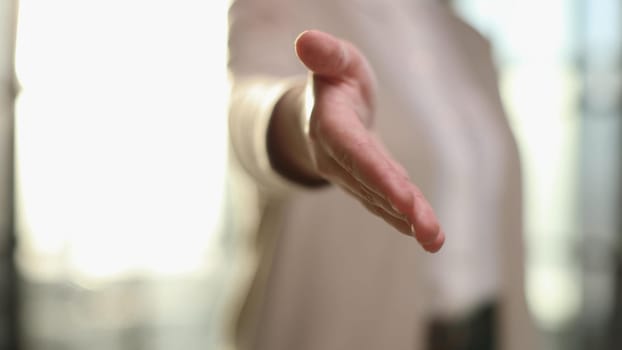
x=340 y=278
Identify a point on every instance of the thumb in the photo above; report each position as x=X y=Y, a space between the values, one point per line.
x=330 y=57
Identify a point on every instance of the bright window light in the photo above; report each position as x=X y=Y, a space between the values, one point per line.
x=534 y=43
x=121 y=136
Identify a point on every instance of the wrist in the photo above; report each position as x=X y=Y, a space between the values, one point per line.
x=288 y=146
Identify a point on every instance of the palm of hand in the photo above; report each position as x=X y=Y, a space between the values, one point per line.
x=343 y=148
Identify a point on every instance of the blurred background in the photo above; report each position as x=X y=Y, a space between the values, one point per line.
x=112 y=168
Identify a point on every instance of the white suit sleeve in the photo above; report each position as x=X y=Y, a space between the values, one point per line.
x=263 y=66
x=252 y=103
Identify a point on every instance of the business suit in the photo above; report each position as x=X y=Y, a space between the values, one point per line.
x=319 y=281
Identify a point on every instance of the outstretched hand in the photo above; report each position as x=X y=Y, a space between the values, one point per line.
x=342 y=149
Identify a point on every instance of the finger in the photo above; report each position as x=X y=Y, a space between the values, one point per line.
x=396 y=165
x=437 y=244
x=399 y=224
x=330 y=57
x=359 y=154
x=362 y=157
x=427 y=230
x=331 y=170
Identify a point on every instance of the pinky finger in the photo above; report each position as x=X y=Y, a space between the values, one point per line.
x=400 y=225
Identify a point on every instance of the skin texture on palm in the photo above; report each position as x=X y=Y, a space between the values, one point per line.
x=340 y=146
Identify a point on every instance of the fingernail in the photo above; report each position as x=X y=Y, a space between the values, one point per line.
x=412 y=230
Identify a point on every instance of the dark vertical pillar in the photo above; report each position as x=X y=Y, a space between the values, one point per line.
x=8 y=275
x=601 y=172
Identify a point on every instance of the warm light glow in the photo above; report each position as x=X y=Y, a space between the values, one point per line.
x=121 y=136
x=542 y=99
